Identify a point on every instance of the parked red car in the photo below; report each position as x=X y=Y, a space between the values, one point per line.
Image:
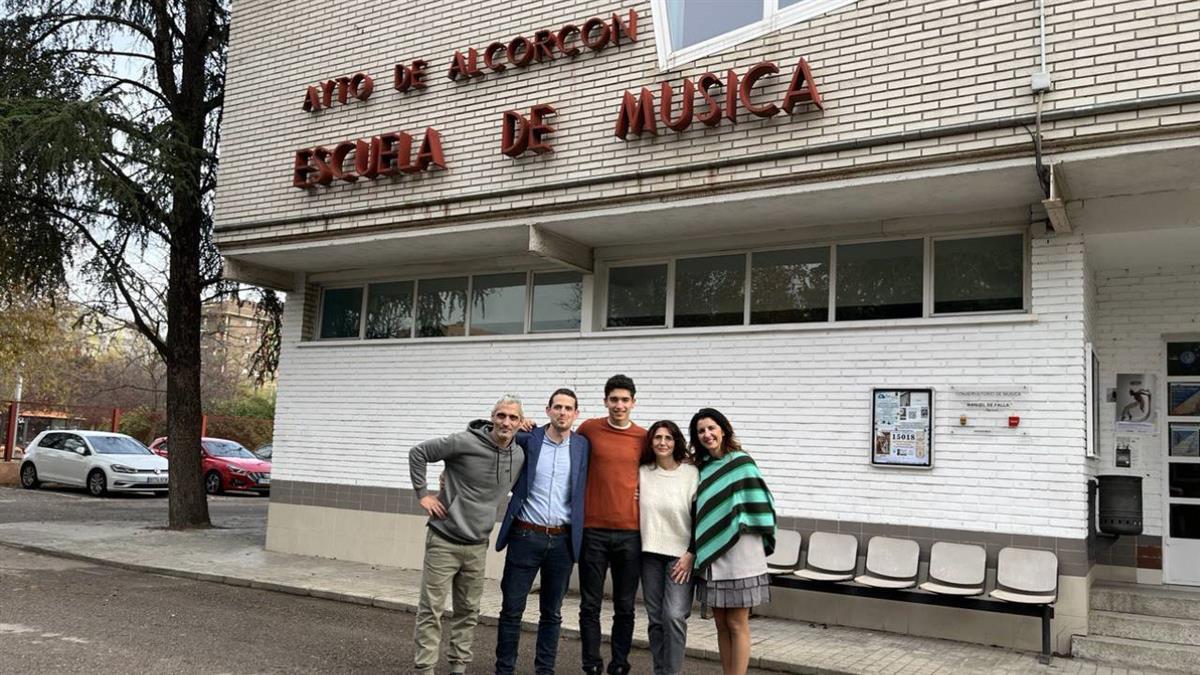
x=227 y=466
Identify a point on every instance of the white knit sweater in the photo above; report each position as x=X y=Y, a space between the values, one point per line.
x=665 y=502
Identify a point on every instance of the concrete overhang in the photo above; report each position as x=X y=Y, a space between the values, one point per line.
x=881 y=203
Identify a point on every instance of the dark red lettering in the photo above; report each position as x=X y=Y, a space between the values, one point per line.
x=630 y=28
x=431 y=151
x=526 y=51
x=514 y=134
x=712 y=116
x=752 y=76
x=731 y=95
x=636 y=114
x=686 y=106
x=538 y=129
x=803 y=89
x=418 y=74
x=301 y=168
x=489 y=57
x=600 y=40
x=565 y=34
x=312 y=100
x=543 y=45
x=361 y=86
x=464 y=66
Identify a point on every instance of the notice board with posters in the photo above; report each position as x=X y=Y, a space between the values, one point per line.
x=902 y=428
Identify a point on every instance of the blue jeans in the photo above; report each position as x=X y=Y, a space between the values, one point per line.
x=620 y=550
x=528 y=554
x=668 y=606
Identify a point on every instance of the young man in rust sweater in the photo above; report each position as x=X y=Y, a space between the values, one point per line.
x=611 y=534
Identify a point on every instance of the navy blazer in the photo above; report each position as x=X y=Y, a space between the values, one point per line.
x=532 y=444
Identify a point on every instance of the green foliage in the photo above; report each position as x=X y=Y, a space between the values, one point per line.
x=143 y=423
x=258 y=403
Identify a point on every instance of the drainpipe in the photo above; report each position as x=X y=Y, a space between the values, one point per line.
x=1040 y=83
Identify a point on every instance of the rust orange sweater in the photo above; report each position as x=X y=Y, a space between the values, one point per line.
x=611 y=498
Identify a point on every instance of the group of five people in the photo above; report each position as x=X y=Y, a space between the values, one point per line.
x=682 y=517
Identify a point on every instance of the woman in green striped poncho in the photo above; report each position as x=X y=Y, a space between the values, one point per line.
x=735 y=532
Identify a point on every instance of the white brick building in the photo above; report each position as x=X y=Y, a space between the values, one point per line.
x=902 y=226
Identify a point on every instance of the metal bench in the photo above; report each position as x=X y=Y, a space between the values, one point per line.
x=1026 y=580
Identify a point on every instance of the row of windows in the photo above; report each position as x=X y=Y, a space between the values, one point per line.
x=499 y=304
x=851 y=282
x=841 y=282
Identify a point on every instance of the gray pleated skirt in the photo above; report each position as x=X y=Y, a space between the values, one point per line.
x=729 y=593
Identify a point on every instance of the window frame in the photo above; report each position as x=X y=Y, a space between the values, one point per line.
x=1026 y=280
x=412 y=328
x=669 y=310
x=774 y=18
x=362 y=313
x=583 y=319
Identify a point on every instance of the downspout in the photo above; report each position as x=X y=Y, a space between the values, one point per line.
x=1040 y=83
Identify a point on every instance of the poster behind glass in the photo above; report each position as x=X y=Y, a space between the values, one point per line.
x=902 y=427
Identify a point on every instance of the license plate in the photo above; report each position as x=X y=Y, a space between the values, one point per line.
x=264 y=481
x=157 y=479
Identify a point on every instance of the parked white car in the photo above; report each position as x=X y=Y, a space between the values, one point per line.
x=101 y=461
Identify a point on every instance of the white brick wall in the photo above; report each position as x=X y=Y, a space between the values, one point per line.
x=348 y=413
x=1136 y=308
x=883 y=66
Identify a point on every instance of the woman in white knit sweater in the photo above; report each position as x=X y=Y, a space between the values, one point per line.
x=667 y=496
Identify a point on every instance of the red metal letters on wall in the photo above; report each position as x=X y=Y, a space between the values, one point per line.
x=357 y=86
x=384 y=155
x=546 y=45
x=637 y=114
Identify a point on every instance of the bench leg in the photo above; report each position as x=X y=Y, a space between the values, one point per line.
x=1044 y=658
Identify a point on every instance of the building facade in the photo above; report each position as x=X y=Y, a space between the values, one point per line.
x=972 y=223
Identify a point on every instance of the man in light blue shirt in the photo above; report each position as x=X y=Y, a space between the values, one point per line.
x=549 y=500
x=543 y=531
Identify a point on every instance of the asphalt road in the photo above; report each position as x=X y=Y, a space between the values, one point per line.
x=64 y=616
x=65 y=504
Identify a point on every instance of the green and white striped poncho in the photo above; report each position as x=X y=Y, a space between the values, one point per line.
x=732 y=499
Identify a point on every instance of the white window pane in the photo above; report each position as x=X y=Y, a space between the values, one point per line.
x=981 y=274
x=498 y=304
x=880 y=280
x=637 y=296
x=340 y=313
x=710 y=291
x=557 y=301
x=789 y=3
x=789 y=286
x=389 y=310
x=441 y=307
x=694 y=21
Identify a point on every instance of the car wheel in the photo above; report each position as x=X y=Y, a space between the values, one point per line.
x=97 y=484
x=212 y=483
x=29 y=479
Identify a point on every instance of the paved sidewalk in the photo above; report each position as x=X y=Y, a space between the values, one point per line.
x=235 y=556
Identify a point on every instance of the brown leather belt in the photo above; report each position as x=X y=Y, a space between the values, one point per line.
x=521 y=524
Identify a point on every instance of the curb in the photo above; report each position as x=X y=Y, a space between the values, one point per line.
x=765 y=663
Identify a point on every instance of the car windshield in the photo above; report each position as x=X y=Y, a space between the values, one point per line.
x=227 y=449
x=118 y=445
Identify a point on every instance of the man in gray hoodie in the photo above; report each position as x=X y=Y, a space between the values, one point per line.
x=482 y=463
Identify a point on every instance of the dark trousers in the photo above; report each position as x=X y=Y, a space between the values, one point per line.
x=528 y=554
x=622 y=551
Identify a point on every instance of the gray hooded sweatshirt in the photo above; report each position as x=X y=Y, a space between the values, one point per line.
x=479 y=475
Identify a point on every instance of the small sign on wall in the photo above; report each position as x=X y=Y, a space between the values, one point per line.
x=902 y=428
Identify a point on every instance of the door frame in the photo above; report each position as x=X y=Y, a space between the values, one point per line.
x=1165 y=461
